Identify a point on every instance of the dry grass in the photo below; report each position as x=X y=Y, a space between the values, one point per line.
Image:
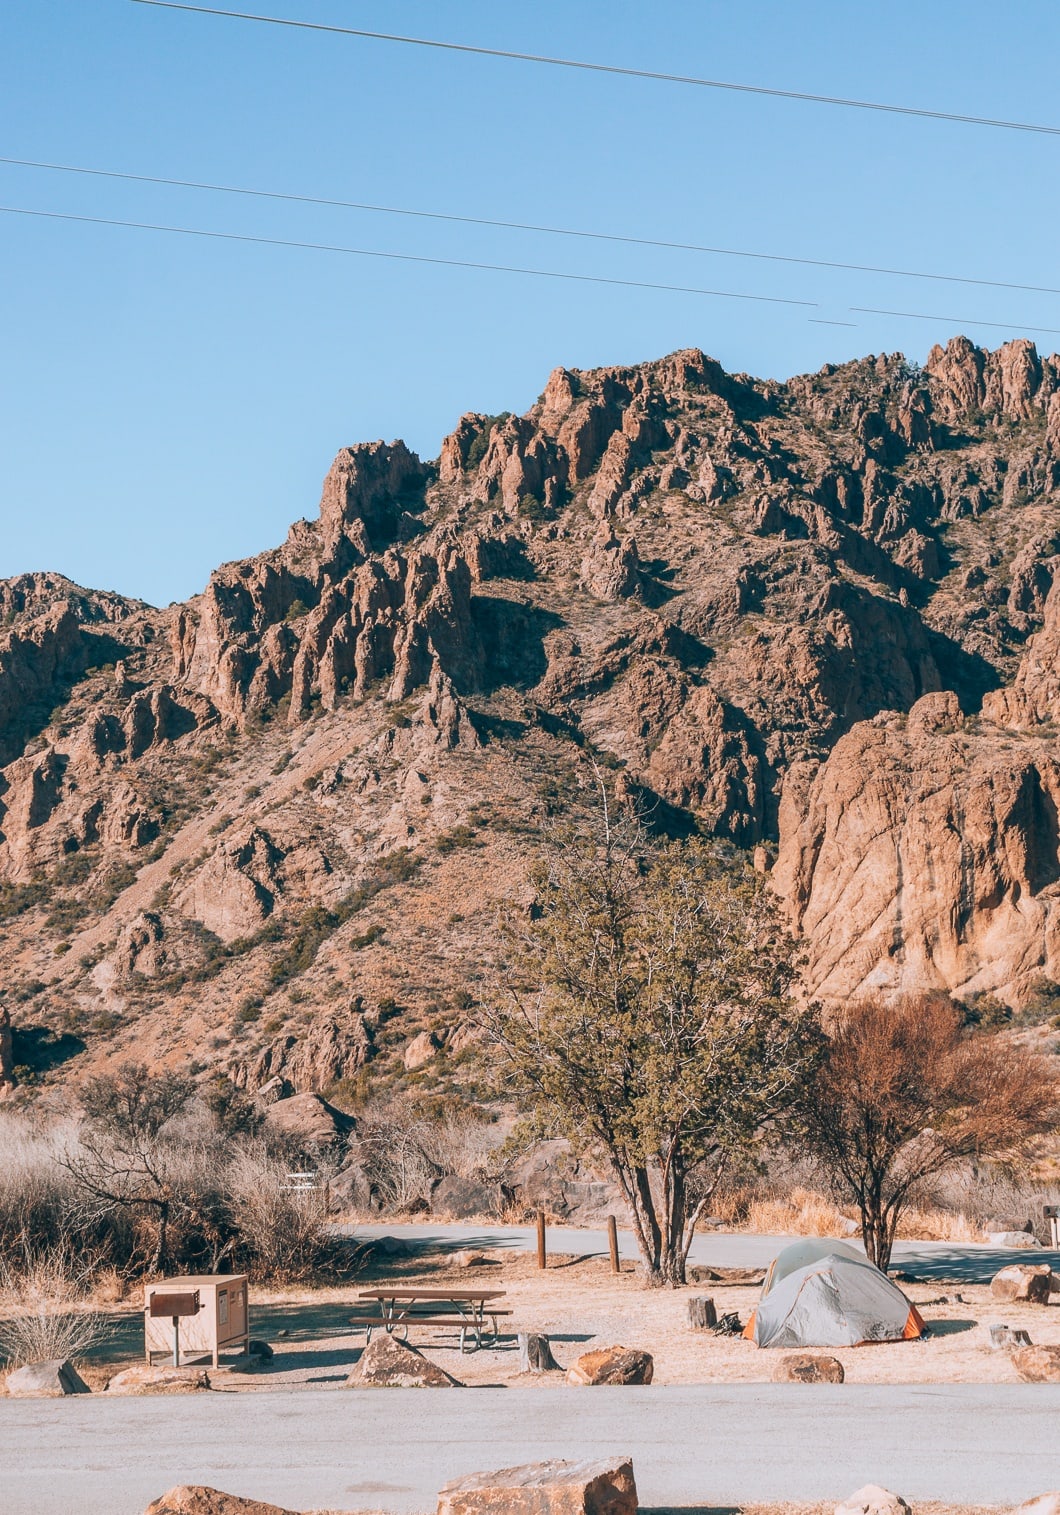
x=804 y=1211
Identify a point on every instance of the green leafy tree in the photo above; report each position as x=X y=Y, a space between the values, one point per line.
x=646 y=1015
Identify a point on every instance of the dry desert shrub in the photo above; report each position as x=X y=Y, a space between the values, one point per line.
x=45 y=1316
x=283 y=1232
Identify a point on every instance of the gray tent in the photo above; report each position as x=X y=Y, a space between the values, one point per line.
x=824 y=1294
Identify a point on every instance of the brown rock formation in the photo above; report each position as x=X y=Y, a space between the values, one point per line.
x=816 y=618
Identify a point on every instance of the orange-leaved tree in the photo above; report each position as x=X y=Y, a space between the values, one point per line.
x=907 y=1089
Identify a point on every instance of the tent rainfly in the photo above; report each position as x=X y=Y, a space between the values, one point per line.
x=823 y=1294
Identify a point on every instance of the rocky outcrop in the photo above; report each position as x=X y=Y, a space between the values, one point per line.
x=817 y=618
x=335 y=1048
x=924 y=853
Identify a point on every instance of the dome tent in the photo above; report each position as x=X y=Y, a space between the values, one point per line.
x=823 y=1294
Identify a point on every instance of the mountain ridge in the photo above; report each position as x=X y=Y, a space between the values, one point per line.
x=815 y=618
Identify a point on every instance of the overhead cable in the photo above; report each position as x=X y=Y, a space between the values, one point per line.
x=532 y=226
x=613 y=68
x=917 y=315
x=367 y=252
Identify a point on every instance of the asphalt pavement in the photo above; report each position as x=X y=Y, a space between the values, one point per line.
x=969 y=1262
x=699 y=1447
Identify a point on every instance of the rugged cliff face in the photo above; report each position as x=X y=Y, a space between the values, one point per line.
x=270 y=827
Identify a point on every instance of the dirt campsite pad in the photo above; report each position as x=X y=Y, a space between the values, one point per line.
x=581 y=1305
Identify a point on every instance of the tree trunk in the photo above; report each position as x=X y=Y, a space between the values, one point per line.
x=877 y=1232
x=662 y=1245
x=535 y=1354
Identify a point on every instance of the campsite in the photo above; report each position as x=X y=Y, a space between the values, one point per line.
x=582 y=1306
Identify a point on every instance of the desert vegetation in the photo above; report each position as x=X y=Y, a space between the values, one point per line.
x=153 y=1177
x=646 y=1013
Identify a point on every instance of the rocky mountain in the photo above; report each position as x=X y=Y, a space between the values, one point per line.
x=268 y=830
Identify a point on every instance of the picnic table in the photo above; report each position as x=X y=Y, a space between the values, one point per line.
x=466 y=1309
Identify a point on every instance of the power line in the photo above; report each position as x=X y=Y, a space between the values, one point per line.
x=508 y=268
x=367 y=252
x=916 y=315
x=611 y=68
x=558 y=231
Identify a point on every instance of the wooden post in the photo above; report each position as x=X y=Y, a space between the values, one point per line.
x=542 y=1252
x=612 y=1242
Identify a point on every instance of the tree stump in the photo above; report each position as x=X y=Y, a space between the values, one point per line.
x=702 y=1315
x=535 y=1354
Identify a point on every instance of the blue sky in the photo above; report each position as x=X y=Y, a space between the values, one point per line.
x=167 y=403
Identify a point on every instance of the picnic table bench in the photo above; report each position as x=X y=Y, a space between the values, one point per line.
x=396 y=1310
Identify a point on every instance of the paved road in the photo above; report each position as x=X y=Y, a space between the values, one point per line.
x=971 y=1262
x=692 y=1446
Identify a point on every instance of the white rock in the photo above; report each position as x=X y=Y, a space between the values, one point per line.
x=1045 y=1504
x=1021 y=1240
x=872 y=1500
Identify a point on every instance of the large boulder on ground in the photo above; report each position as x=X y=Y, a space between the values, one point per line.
x=145 y=1378
x=612 y=1365
x=465 y=1198
x=1026 y=1282
x=1015 y=1240
x=591 y=1487
x=744 y=1278
x=46 y=1380
x=873 y=1500
x=199 y=1499
x=389 y=1364
x=808 y=1367
x=1044 y=1504
x=421 y=1049
x=309 y=1121
x=1037 y=1364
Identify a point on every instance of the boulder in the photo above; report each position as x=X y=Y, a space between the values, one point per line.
x=1025 y=1282
x=465 y=1198
x=46 y=1380
x=750 y=1278
x=144 y=1378
x=603 y=1486
x=389 y=1364
x=198 y=1499
x=258 y=1348
x=808 y=1367
x=1015 y=1239
x=1044 y=1504
x=612 y=1365
x=1037 y=1364
x=466 y=1259
x=420 y=1050
x=309 y=1121
x=872 y=1500
x=1003 y=1338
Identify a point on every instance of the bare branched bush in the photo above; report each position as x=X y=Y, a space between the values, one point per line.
x=283 y=1232
x=395 y=1149
x=44 y=1316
